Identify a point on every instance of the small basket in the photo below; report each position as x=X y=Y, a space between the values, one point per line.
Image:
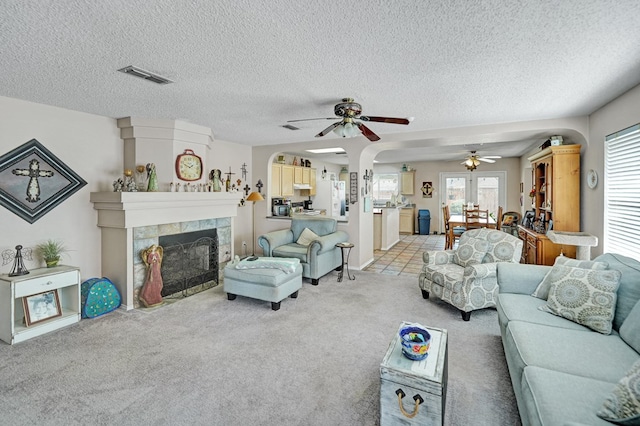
x=415 y=340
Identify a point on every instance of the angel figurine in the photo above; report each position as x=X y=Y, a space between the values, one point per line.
x=153 y=178
x=151 y=293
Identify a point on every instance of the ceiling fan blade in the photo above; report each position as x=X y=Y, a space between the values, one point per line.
x=368 y=133
x=486 y=160
x=310 y=119
x=492 y=156
x=329 y=129
x=391 y=120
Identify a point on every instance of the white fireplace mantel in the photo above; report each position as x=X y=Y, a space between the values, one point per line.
x=120 y=212
x=134 y=209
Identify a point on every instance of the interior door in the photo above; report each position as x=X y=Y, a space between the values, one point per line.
x=487 y=189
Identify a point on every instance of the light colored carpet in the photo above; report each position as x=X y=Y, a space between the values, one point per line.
x=205 y=360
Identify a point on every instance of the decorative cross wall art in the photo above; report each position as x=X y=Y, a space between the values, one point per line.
x=427 y=189
x=33 y=181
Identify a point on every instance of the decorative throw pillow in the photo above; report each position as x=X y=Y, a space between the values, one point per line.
x=306 y=237
x=470 y=251
x=623 y=405
x=542 y=291
x=585 y=296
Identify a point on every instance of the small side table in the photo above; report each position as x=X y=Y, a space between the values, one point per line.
x=346 y=251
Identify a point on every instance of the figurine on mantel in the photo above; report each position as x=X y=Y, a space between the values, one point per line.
x=151 y=293
x=153 y=178
x=216 y=182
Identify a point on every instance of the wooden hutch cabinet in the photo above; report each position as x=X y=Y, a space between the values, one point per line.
x=556 y=180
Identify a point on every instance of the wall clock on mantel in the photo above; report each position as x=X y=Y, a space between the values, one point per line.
x=188 y=166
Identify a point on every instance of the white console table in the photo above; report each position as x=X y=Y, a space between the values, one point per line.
x=65 y=279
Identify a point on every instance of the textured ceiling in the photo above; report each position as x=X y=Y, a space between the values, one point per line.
x=245 y=67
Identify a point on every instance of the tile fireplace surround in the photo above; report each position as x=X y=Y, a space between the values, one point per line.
x=131 y=220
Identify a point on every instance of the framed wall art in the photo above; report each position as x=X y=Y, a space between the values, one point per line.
x=427 y=189
x=33 y=181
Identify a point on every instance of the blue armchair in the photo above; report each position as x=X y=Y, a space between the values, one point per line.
x=319 y=257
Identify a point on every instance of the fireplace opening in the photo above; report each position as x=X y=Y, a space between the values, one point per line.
x=190 y=262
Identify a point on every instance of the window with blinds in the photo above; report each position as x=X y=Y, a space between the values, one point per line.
x=622 y=192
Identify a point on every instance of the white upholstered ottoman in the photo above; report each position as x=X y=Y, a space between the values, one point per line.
x=268 y=279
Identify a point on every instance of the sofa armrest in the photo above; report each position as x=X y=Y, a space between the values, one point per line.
x=520 y=278
x=272 y=240
x=327 y=242
x=438 y=257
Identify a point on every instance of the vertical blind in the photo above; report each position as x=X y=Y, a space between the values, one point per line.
x=622 y=193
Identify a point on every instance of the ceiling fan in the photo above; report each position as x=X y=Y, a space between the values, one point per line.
x=473 y=160
x=351 y=122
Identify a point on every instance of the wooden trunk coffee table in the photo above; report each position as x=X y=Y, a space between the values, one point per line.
x=414 y=392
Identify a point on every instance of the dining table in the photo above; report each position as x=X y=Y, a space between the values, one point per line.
x=459 y=220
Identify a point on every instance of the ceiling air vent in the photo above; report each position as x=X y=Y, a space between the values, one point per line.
x=290 y=127
x=147 y=75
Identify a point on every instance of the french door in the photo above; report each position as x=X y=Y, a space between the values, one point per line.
x=487 y=189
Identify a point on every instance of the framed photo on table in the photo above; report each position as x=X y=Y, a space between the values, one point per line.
x=41 y=307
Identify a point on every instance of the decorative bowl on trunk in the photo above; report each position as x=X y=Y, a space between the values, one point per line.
x=415 y=341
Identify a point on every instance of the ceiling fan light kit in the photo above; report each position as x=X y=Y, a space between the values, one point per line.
x=349 y=127
x=473 y=160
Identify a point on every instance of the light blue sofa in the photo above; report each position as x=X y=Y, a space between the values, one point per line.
x=561 y=371
x=319 y=257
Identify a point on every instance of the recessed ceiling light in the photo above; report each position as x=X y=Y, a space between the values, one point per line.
x=324 y=150
x=146 y=75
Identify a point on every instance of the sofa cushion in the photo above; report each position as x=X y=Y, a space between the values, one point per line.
x=583 y=353
x=522 y=307
x=448 y=275
x=585 y=296
x=542 y=291
x=470 y=251
x=629 y=290
x=623 y=405
x=630 y=329
x=293 y=250
x=550 y=398
x=307 y=237
x=320 y=225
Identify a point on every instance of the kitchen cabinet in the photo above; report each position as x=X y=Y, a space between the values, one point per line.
x=65 y=280
x=281 y=180
x=286 y=183
x=302 y=175
x=406 y=182
x=377 y=231
x=407 y=220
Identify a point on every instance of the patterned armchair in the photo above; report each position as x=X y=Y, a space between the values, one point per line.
x=466 y=277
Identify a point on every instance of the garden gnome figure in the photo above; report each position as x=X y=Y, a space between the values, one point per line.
x=151 y=293
x=153 y=178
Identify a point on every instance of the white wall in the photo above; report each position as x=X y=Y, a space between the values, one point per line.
x=619 y=114
x=91 y=146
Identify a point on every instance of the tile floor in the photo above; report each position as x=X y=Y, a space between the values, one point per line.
x=405 y=258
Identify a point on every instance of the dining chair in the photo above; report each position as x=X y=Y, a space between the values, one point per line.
x=451 y=232
x=476 y=218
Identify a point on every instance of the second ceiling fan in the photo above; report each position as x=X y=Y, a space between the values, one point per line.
x=473 y=160
x=351 y=123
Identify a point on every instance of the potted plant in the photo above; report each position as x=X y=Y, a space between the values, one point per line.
x=51 y=250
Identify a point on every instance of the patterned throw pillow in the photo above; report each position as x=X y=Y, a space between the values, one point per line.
x=306 y=237
x=623 y=405
x=542 y=291
x=470 y=251
x=585 y=296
